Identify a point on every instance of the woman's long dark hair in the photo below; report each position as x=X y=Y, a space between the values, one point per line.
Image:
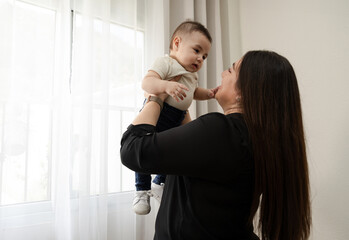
x=272 y=111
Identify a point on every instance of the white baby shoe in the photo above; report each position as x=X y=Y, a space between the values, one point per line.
x=141 y=203
x=156 y=191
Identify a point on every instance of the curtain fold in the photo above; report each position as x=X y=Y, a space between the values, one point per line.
x=61 y=141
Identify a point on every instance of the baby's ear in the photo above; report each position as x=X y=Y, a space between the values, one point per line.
x=176 y=42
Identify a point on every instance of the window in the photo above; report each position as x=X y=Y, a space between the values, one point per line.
x=26 y=118
x=27 y=114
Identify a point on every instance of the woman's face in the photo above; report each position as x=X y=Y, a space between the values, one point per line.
x=227 y=92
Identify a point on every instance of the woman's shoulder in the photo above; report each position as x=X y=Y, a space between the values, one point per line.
x=211 y=118
x=217 y=116
x=233 y=123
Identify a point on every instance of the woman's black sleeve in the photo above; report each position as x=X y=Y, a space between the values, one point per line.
x=207 y=145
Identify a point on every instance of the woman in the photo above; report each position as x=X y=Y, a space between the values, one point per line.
x=222 y=167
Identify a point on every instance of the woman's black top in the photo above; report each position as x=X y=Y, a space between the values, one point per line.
x=208 y=190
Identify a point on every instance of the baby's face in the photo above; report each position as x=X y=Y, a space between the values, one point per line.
x=191 y=50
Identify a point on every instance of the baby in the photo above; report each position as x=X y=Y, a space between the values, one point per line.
x=189 y=47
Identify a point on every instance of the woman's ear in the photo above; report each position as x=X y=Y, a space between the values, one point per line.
x=238 y=98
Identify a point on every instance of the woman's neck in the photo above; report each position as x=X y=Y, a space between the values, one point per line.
x=236 y=108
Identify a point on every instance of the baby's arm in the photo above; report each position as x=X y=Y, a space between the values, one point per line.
x=204 y=94
x=186 y=119
x=153 y=84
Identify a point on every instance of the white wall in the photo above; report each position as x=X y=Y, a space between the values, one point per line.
x=314 y=36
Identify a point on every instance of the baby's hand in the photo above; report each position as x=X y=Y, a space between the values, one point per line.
x=212 y=92
x=175 y=89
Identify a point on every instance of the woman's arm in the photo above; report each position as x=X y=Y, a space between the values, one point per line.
x=149 y=114
x=202 y=148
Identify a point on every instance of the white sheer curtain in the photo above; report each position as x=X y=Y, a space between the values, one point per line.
x=70 y=74
x=69 y=86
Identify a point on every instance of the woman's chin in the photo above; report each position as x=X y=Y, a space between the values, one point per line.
x=218 y=88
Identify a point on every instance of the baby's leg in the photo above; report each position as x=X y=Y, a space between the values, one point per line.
x=157 y=187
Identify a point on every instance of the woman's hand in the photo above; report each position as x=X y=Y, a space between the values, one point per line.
x=175 y=89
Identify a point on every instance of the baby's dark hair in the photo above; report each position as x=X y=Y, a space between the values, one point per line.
x=189 y=27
